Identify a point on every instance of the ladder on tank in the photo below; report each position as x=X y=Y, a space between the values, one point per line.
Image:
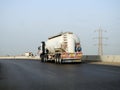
x=65 y=42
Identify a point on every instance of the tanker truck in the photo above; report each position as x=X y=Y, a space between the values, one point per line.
x=60 y=48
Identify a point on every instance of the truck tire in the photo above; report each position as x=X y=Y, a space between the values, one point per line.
x=60 y=61
x=42 y=58
x=45 y=58
x=56 y=60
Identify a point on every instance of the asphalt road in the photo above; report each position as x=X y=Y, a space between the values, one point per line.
x=34 y=75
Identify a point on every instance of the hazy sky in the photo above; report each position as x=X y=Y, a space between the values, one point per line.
x=25 y=23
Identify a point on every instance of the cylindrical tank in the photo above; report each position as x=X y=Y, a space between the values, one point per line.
x=66 y=41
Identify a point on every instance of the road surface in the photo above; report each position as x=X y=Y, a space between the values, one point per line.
x=34 y=75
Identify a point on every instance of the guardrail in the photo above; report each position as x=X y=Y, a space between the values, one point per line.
x=19 y=57
x=103 y=58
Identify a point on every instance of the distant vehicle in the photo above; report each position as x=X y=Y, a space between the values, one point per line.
x=27 y=54
x=63 y=47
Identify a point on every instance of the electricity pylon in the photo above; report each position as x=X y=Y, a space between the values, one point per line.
x=100 y=41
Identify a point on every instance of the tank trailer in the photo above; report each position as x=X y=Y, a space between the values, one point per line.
x=60 y=48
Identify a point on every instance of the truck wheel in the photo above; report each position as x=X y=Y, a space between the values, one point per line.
x=56 y=58
x=60 y=61
x=46 y=59
x=42 y=59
